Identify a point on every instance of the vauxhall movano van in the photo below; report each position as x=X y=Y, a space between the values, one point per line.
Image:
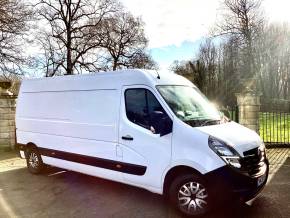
x=152 y=130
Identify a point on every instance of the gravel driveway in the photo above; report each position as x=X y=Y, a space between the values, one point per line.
x=59 y=193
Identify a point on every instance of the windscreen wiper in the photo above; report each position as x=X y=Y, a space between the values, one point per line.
x=209 y=122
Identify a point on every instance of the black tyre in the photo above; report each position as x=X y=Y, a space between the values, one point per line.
x=190 y=195
x=34 y=161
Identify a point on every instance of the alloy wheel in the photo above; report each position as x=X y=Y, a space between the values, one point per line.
x=33 y=160
x=192 y=198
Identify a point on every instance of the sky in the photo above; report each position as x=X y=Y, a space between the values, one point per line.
x=175 y=28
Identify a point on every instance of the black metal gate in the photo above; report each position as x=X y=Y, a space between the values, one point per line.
x=275 y=127
x=274 y=121
x=274 y=124
x=231 y=112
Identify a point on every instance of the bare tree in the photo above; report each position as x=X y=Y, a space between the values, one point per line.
x=193 y=70
x=73 y=32
x=14 y=18
x=273 y=58
x=216 y=69
x=243 y=21
x=142 y=60
x=48 y=61
x=125 y=41
x=213 y=71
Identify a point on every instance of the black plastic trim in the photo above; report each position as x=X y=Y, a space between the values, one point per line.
x=92 y=161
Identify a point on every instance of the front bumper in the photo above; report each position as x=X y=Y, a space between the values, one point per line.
x=227 y=183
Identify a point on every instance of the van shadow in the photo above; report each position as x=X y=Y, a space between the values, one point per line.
x=59 y=193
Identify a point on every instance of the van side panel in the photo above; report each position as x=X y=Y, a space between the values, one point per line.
x=89 y=115
x=78 y=122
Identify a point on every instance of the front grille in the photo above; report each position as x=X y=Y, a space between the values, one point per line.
x=253 y=162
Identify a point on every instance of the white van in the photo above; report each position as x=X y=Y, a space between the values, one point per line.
x=143 y=128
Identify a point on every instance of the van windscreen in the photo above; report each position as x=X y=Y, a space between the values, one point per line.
x=189 y=104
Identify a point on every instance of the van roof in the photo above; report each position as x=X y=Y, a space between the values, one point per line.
x=103 y=80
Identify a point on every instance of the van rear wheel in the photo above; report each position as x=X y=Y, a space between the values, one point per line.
x=190 y=195
x=34 y=161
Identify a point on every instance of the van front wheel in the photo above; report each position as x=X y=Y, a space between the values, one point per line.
x=34 y=161
x=189 y=194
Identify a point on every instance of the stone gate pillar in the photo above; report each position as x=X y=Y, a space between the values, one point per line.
x=7 y=117
x=249 y=108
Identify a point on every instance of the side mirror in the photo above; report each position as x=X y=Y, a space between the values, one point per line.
x=161 y=123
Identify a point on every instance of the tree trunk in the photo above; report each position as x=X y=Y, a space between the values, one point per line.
x=69 y=67
x=69 y=60
x=115 y=64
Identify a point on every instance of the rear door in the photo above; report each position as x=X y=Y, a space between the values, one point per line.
x=146 y=154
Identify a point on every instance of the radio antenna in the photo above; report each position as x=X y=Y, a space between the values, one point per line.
x=158 y=76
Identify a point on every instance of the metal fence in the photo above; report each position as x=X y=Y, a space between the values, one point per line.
x=232 y=113
x=274 y=128
x=274 y=123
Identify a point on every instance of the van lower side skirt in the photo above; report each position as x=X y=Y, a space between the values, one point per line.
x=92 y=161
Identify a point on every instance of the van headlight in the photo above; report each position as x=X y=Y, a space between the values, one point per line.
x=226 y=152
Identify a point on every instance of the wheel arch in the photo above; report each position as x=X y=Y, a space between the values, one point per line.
x=29 y=145
x=174 y=172
x=31 y=148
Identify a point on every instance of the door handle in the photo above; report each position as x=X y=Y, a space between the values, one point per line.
x=127 y=137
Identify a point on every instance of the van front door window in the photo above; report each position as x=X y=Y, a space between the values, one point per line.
x=141 y=105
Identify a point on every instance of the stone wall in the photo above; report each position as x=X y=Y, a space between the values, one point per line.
x=249 y=108
x=7 y=120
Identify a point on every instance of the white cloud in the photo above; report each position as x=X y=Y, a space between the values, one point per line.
x=170 y=22
x=277 y=10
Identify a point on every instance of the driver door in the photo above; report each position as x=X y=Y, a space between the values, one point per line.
x=146 y=153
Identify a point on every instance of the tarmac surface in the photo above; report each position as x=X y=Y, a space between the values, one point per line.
x=59 y=193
